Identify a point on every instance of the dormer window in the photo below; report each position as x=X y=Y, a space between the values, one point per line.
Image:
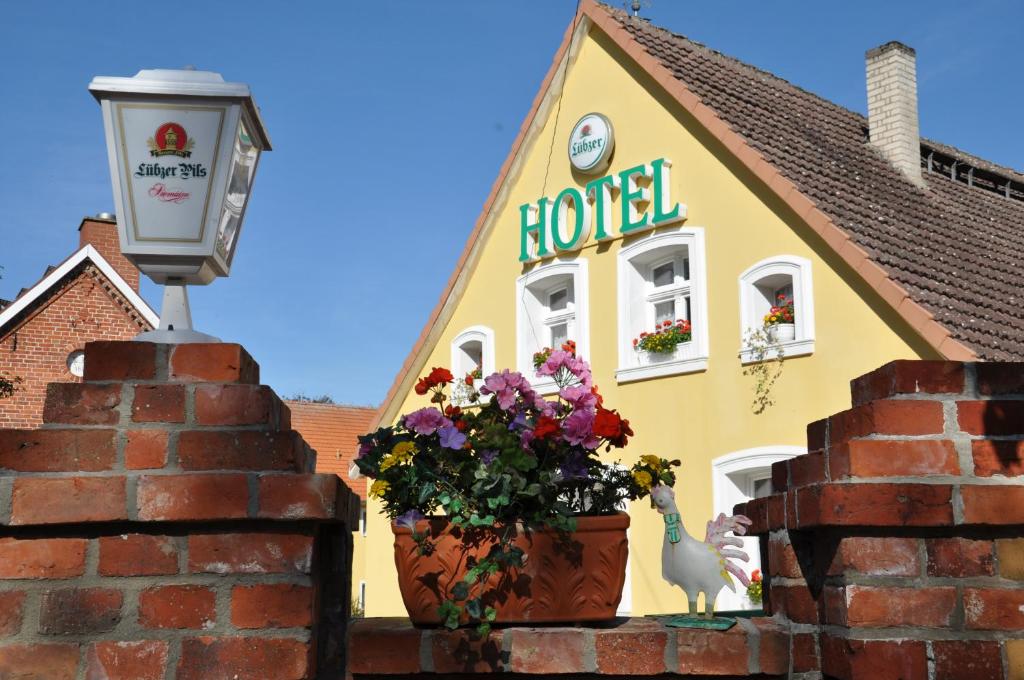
x=776 y=297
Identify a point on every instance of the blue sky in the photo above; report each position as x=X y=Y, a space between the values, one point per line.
x=339 y=263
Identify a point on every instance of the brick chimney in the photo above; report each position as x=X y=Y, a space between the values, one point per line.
x=892 y=107
x=101 y=233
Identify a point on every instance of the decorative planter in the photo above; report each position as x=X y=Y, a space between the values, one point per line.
x=782 y=332
x=559 y=583
x=655 y=358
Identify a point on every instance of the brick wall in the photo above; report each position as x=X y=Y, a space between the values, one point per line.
x=102 y=235
x=84 y=307
x=165 y=524
x=896 y=546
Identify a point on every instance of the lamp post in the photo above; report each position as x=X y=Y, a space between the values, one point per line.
x=183 y=146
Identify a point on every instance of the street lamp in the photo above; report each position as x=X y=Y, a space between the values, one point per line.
x=183 y=148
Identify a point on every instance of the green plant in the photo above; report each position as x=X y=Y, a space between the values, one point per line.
x=665 y=337
x=755 y=591
x=765 y=372
x=517 y=461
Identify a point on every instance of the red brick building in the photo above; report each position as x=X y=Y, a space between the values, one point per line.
x=91 y=295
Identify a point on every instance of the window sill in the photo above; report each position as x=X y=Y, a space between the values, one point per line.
x=676 y=367
x=790 y=348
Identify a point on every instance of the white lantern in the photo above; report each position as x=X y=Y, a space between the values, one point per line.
x=183 y=148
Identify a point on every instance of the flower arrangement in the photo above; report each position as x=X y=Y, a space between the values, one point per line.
x=519 y=462
x=780 y=313
x=665 y=337
x=539 y=358
x=755 y=591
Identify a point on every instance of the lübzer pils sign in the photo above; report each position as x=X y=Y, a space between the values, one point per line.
x=169 y=166
x=183 y=149
x=591 y=143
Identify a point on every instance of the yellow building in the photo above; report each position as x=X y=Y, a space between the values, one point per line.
x=721 y=188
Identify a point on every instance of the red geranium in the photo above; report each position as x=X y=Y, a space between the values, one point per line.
x=439 y=376
x=609 y=425
x=545 y=427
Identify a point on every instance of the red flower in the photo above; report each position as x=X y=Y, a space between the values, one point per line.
x=545 y=427
x=600 y=399
x=422 y=387
x=440 y=376
x=610 y=426
x=756 y=576
x=469 y=379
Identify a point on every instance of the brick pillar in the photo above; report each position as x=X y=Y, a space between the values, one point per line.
x=165 y=523
x=102 y=235
x=895 y=547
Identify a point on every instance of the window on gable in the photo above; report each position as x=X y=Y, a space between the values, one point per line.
x=551 y=310
x=777 y=300
x=472 y=352
x=661 y=293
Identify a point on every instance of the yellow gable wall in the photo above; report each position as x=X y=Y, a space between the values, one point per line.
x=695 y=417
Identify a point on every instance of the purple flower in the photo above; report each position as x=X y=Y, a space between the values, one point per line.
x=488 y=456
x=518 y=423
x=575 y=467
x=409 y=519
x=578 y=428
x=364 y=449
x=579 y=396
x=451 y=438
x=425 y=421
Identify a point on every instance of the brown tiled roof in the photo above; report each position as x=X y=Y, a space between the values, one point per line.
x=956 y=249
x=331 y=430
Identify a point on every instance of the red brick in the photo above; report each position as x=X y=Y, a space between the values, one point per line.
x=377 y=640
x=460 y=651
x=193 y=497
x=780 y=475
x=159 y=404
x=546 y=650
x=49 y=558
x=250 y=553
x=240 y=450
x=805 y=653
x=177 y=607
x=39 y=662
x=998 y=458
x=235 y=405
x=115 y=660
x=1001 y=377
x=993 y=504
x=57 y=450
x=908 y=377
x=782 y=560
x=292 y=496
x=79 y=611
x=847 y=659
x=773 y=647
x=105 y=360
x=877 y=556
x=872 y=607
x=879 y=505
x=709 y=652
x=215 y=362
x=72 y=499
x=11 y=610
x=894 y=417
x=210 y=658
x=756 y=510
x=137 y=555
x=993 y=609
x=817 y=435
x=146 y=449
x=959 y=557
x=82 y=404
x=807 y=469
x=974 y=659
x=617 y=648
x=281 y=605
x=991 y=417
x=893 y=458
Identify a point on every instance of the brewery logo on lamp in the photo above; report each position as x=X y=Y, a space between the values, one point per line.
x=183 y=146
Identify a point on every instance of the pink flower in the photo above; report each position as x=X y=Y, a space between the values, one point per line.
x=559 y=361
x=579 y=396
x=425 y=421
x=578 y=428
x=505 y=386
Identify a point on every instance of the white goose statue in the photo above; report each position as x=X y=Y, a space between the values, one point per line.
x=695 y=566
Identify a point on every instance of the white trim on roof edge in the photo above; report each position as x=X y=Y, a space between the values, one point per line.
x=51 y=279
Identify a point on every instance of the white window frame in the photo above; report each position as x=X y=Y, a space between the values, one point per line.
x=697 y=357
x=481 y=334
x=732 y=477
x=798 y=269
x=526 y=342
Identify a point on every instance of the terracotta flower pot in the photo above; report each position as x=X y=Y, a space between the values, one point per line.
x=581 y=581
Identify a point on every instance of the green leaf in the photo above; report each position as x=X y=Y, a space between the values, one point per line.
x=490 y=613
x=473 y=607
x=531 y=490
x=478 y=521
x=483 y=630
x=460 y=591
x=426 y=491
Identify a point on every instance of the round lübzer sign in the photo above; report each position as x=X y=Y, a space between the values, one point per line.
x=591 y=144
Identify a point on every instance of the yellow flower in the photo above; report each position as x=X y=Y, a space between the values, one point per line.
x=652 y=462
x=388 y=461
x=404 y=450
x=643 y=479
x=379 y=488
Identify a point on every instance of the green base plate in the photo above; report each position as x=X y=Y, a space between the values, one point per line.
x=717 y=623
